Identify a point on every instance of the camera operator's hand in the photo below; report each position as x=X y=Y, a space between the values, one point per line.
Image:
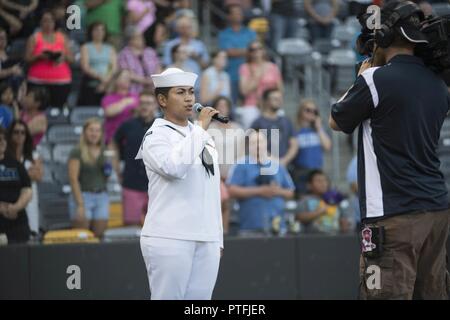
x=379 y=57
x=365 y=65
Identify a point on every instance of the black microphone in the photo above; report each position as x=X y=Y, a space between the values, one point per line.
x=198 y=107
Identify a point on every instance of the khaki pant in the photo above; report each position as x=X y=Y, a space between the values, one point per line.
x=413 y=264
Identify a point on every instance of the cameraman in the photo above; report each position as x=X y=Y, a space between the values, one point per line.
x=400 y=108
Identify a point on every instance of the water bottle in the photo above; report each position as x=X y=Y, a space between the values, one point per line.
x=107 y=166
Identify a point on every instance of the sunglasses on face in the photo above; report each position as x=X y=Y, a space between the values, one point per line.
x=252 y=49
x=314 y=111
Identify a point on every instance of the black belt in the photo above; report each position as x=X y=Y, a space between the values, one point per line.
x=95 y=191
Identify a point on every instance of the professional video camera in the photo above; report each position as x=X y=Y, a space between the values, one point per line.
x=434 y=30
x=436 y=54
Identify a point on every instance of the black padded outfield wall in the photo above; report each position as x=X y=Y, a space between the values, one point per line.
x=108 y=271
x=14 y=272
x=305 y=267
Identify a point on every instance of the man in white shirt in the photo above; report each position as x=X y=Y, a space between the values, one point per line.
x=182 y=237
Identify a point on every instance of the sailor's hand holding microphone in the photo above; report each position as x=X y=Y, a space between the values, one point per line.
x=206 y=114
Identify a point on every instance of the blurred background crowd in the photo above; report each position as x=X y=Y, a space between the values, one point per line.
x=75 y=104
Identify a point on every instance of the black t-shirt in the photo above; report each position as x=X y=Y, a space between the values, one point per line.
x=400 y=109
x=286 y=132
x=13 y=178
x=129 y=137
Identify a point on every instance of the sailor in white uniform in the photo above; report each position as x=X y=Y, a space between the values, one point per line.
x=182 y=237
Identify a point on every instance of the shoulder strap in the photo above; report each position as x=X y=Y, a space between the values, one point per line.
x=150 y=132
x=205 y=156
x=143 y=139
x=175 y=129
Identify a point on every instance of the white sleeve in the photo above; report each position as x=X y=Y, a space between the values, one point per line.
x=221 y=230
x=173 y=161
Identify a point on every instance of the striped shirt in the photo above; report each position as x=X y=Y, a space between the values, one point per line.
x=400 y=109
x=144 y=65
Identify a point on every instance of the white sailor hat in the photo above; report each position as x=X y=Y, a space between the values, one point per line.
x=174 y=77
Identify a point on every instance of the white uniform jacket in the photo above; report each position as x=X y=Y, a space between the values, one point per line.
x=184 y=201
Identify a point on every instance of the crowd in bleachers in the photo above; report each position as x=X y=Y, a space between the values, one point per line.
x=75 y=104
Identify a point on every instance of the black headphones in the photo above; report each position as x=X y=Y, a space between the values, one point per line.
x=385 y=35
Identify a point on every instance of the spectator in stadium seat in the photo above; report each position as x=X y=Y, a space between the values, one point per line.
x=49 y=57
x=9 y=22
x=141 y=13
x=312 y=142
x=110 y=13
x=20 y=147
x=119 y=103
x=284 y=16
x=180 y=57
x=235 y=40
x=198 y=54
x=10 y=69
x=15 y=193
x=88 y=173
x=183 y=8
x=127 y=141
x=321 y=209
x=257 y=75
x=215 y=82
x=230 y=140
x=270 y=119
x=32 y=103
x=261 y=196
x=58 y=9
x=321 y=17
x=139 y=60
x=246 y=6
x=9 y=109
x=98 y=62
x=158 y=33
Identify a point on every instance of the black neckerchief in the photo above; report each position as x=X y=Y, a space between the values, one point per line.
x=207 y=160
